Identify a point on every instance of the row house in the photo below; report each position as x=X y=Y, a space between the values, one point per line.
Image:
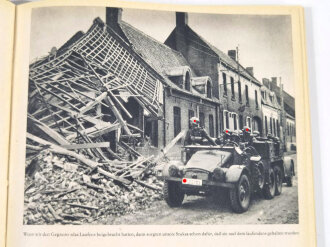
x=271 y=111
x=235 y=87
x=287 y=103
x=186 y=93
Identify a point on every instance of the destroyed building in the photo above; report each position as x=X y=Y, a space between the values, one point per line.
x=185 y=94
x=113 y=83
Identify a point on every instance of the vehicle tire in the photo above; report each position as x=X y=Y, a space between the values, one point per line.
x=278 y=180
x=289 y=179
x=269 y=188
x=173 y=194
x=258 y=176
x=240 y=196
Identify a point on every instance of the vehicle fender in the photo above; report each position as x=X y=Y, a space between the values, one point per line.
x=287 y=163
x=165 y=171
x=234 y=173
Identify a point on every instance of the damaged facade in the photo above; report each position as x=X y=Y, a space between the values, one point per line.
x=114 y=83
x=185 y=93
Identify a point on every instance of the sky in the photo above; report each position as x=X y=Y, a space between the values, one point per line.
x=264 y=42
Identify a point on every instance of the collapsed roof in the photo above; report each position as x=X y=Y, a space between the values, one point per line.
x=93 y=71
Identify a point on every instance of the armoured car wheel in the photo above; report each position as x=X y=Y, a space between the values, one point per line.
x=240 y=195
x=289 y=179
x=278 y=180
x=173 y=194
x=258 y=176
x=269 y=188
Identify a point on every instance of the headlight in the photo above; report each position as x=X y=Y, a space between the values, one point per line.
x=218 y=174
x=173 y=171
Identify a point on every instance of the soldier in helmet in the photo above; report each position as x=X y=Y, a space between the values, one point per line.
x=235 y=136
x=196 y=134
x=247 y=138
x=224 y=137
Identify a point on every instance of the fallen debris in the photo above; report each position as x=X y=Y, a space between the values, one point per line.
x=86 y=117
x=82 y=196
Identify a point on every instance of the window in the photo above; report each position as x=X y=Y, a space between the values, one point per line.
x=240 y=120
x=247 y=95
x=208 y=89
x=278 y=128
x=224 y=79
x=274 y=129
x=266 y=125
x=239 y=92
x=256 y=98
x=187 y=82
x=226 y=115
x=202 y=119
x=232 y=87
x=191 y=114
x=271 y=125
x=235 y=121
x=263 y=94
x=211 y=125
x=248 y=122
x=177 y=120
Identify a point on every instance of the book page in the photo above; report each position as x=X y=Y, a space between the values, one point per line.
x=160 y=125
x=7 y=21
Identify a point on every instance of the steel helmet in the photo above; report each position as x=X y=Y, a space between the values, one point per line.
x=194 y=121
x=227 y=131
x=247 y=129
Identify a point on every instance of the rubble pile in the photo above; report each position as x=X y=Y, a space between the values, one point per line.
x=88 y=109
x=59 y=190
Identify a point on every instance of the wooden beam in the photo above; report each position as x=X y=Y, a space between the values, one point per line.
x=118 y=115
x=90 y=163
x=120 y=104
x=170 y=145
x=87 y=145
x=90 y=105
x=59 y=97
x=50 y=132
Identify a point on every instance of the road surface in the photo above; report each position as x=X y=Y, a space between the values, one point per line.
x=282 y=209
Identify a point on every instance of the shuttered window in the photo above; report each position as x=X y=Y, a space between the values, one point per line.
x=177 y=120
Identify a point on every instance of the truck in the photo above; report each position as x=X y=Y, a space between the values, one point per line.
x=242 y=169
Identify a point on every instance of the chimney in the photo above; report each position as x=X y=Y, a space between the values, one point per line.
x=180 y=43
x=250 y=70
x=113 y=16
x=265 y=81
x=232 y=54
x=274 y=81
x=181 y=19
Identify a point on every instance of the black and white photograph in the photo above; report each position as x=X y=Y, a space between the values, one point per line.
x=145 y=117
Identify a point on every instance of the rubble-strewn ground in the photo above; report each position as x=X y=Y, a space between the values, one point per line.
x=62 y=191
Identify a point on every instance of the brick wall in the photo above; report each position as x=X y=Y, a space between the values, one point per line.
x=185 y=103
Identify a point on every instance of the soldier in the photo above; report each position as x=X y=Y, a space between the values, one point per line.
x=235 y=137
x=247 y=138
x=196 y=134
x=224 y=137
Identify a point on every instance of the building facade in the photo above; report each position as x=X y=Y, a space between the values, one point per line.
x=186 y=93
x=287 y=103
x=235 y=87
x=271 y=111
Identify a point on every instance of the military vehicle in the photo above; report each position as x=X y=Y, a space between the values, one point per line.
x=242 y=169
